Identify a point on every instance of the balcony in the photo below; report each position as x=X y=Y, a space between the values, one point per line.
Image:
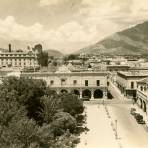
x=64 y=85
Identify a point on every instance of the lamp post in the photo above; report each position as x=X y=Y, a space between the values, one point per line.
x=116 y=132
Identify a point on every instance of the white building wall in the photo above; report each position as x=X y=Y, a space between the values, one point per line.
x=17 y=60
x=92 y=81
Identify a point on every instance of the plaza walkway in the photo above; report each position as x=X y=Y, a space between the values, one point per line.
x=101 y=134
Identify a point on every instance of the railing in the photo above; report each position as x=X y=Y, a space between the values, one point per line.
x=78 y=85
x=141 y=95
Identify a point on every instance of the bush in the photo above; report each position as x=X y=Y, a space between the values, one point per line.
x=62 y=122
x=71 y=104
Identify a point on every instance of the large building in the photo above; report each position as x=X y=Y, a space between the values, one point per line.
x=127 y=82
x=85 y=84
x=17 y=59
x=142 y=94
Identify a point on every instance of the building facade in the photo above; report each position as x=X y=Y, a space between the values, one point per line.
x=127 y=82
x=142 y=94
x=84 y=84
x=17 y=59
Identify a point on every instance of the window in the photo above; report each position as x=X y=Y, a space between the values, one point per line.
x=15 y=62
x=63 y=81
x=98 y=82
x=141 y=88
x=51 y=82
x=86 y=82
x=75 y=82
x=132 y=85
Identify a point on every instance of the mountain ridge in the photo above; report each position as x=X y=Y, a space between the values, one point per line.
x=131 y=41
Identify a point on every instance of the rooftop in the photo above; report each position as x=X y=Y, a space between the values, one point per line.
x=145 y=81
x=133 y=74
x=44 y=74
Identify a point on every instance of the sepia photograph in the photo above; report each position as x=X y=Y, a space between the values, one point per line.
x=73 y=74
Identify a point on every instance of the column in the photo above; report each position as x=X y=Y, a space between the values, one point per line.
x=0 y=62
x=80 y=94
x=58 y=91
x=92 y=95
x=105 y=94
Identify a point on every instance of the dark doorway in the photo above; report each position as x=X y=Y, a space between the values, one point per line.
x=98 y=94
x=86 y=94
x=64 y=91
x=76 y=92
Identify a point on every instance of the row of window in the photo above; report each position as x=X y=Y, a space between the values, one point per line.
x=17 y=60
x=142 y=88
x=63 y=82
x=16 y=55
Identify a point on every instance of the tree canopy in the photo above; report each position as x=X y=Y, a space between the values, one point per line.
x=33 y=116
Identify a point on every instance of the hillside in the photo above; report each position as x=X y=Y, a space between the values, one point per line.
x=54 y=53
x=127 y=42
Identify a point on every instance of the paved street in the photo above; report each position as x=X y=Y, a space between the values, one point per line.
x=132 y=134
x=101 y=134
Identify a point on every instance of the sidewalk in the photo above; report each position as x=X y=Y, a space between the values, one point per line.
x=140 y=111
x=116 y=92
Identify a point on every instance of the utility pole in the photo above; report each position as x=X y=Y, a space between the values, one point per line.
x=116 y=132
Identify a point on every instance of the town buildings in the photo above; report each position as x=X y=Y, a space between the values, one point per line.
x=85 y=84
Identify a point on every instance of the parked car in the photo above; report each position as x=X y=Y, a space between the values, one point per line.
x=133 y=111
x=139 y=118
x=141 y=121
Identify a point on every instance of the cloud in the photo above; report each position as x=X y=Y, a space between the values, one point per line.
x=54 y=2
x=71 y=32
x=11 y=30
x=89 y=22
x=48 y=2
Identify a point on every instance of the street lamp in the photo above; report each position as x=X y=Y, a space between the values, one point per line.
x=116 y=133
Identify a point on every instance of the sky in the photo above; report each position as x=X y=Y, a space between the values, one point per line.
x=68 y=25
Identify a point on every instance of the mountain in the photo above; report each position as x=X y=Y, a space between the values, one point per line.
x=131 y=41
x=54 y=53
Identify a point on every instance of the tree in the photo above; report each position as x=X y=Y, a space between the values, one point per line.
x=48 y=108
x=9 y=108
x=62 y=122
x=24 y=132
x=72 y=104
x=16 y=130
x=67 y=140
x=32 y=116
x=38 y=48
x=42 y=58
x=28 y=93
